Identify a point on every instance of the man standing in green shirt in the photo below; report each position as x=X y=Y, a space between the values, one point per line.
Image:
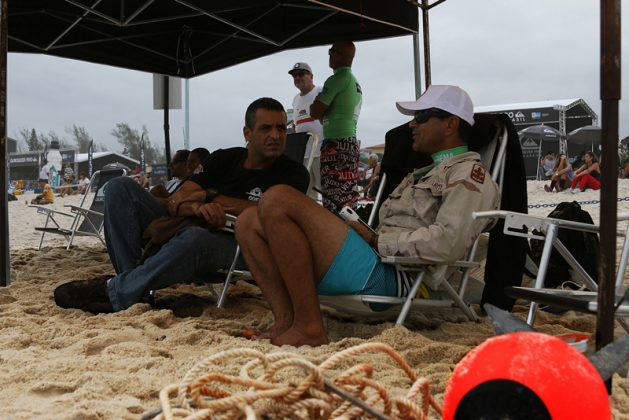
x=338 y=106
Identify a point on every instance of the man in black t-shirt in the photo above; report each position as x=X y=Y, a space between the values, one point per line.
x=232 y=180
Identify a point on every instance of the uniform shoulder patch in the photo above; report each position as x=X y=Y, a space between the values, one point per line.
x=478 y=173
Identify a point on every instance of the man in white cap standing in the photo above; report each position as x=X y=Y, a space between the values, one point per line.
x=297 y=250
x=303 y=80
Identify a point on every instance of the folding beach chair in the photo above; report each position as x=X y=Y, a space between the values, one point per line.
x=489 y=139
x=296 y=144
x=86 y=221
x=547 y=229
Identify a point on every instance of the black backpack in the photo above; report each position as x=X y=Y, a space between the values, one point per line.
x=582 y=245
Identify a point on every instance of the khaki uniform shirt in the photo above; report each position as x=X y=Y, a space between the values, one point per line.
x=429 y=215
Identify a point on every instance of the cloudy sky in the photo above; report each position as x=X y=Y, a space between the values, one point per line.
x=500 y=51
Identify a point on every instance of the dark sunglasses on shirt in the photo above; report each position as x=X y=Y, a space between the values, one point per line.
x=424 y=115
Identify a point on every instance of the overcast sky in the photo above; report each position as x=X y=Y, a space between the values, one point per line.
x=500 y=51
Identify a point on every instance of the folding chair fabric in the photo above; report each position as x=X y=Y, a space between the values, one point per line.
x=506 y=255
x=86 y=221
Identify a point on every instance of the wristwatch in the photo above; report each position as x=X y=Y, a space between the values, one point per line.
x=210 y=195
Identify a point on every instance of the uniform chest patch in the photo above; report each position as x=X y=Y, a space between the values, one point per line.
x=438 y=186
x=478 y=173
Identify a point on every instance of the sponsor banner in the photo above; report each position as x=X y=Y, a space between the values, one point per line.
x=24 y=159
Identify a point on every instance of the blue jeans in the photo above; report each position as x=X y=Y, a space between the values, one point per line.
x=190 y=255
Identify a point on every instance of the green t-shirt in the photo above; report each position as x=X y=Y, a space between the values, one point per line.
x=343 y=95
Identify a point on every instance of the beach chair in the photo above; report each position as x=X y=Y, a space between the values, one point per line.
x=547 y=230
x=491 y=134
x=86 y=221
x=296 y=145
x=295 y=149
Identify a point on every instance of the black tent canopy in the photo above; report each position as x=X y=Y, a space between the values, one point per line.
x=187 y=38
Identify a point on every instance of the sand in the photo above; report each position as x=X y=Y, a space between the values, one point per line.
x=57 y=363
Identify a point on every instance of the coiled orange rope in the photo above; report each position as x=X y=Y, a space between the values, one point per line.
x=282 y=384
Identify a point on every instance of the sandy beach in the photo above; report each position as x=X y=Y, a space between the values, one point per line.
x=68 y=364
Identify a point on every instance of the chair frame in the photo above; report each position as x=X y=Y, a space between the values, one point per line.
x=519 y=224
x=78 y=213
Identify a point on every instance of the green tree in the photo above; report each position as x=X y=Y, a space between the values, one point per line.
x=130 y=139
x=81 y=138
x=29 y=138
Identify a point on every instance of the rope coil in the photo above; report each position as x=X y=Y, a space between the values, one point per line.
x=283 y=384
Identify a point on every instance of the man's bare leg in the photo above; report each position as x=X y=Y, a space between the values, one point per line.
x=303 y=239
x=261 y=264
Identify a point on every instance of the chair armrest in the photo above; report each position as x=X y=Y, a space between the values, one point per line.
x=47 y=211
x=405 y=260
x=490 y=214
x=230 y=224
x=77 y=209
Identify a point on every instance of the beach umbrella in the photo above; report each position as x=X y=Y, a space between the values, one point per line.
x=535 y=141
x=544 y=132
x=586 y=137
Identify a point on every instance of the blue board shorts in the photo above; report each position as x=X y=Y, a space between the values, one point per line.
x=357 y=269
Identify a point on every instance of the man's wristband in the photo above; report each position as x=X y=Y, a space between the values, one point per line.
x=210 y=195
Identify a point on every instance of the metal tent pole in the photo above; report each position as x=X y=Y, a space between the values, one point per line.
x=5 y=259
x=610 y=95
x=166 y=123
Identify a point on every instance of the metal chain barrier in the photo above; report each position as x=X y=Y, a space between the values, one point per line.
x=553 y=205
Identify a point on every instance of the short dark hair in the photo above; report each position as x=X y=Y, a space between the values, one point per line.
x=465 y=129
x=269 y=104
x=202 y=152
x=183 y=155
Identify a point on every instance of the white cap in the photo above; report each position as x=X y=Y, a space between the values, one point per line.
x=448 y=98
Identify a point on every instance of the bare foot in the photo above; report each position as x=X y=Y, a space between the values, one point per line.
x=296 y=338
x=270 y=333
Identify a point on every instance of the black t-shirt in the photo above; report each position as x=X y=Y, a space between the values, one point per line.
x=223 y=171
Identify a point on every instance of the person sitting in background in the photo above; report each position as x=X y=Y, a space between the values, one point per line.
x=195 y=160
x=68 y=173
x=46 y=197
x=372 y=175
x=83 y=184
x=562 y=176
x=67 y=187
x=588 y=175
x=178 y=170
x=625 y=170
x=547 y=165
